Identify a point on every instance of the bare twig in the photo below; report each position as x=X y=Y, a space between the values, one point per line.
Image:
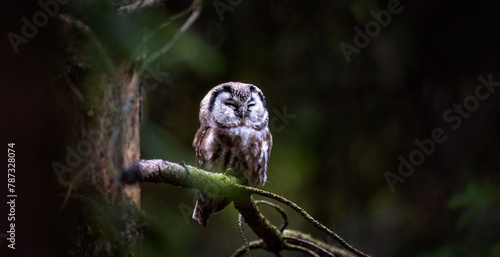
x=242 y=233
x=135 y=54
x=258 y=244
x=195 y=10
x=312 y=248
x=301 y=249
x=279 y=209
x=293 y=234
x=138 y=5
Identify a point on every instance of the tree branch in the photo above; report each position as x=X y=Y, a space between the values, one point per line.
x=257 y=244
x=261 y=226
x=297 y=236
x=308 y=217
x=278 y=209
x=273 y=239
x=302 y=249
x=139 y=5
x=195 y=10
x=160 y=171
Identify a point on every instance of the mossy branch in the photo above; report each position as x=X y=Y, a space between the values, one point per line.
x=273 y=239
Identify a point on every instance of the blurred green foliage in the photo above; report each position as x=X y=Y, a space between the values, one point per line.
x=352 y=120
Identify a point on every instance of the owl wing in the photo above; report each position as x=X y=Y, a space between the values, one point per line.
x=197 y=144
x=269 y=140
x=207 y=203
x=257 y=174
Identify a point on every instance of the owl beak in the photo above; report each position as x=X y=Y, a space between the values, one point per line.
x=242 y=112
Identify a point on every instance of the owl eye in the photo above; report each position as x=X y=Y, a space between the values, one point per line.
x=251 y=104
x=231 y=105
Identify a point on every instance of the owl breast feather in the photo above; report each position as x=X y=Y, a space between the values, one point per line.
x=242 y=151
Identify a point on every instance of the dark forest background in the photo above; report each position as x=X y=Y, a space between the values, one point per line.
x=347 y=122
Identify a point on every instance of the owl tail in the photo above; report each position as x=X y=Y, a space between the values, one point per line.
x=207 y=205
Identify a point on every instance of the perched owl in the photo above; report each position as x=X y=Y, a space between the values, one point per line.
x=233 y=138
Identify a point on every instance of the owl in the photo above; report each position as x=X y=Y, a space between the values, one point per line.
x=233 y=138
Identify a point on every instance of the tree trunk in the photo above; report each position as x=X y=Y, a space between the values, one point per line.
x=102 y=106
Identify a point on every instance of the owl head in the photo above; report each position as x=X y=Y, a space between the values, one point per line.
x=234 y=104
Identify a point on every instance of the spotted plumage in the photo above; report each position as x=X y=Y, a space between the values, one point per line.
x=234 y=138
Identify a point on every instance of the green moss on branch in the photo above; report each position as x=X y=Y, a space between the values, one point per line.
x=273 y=240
